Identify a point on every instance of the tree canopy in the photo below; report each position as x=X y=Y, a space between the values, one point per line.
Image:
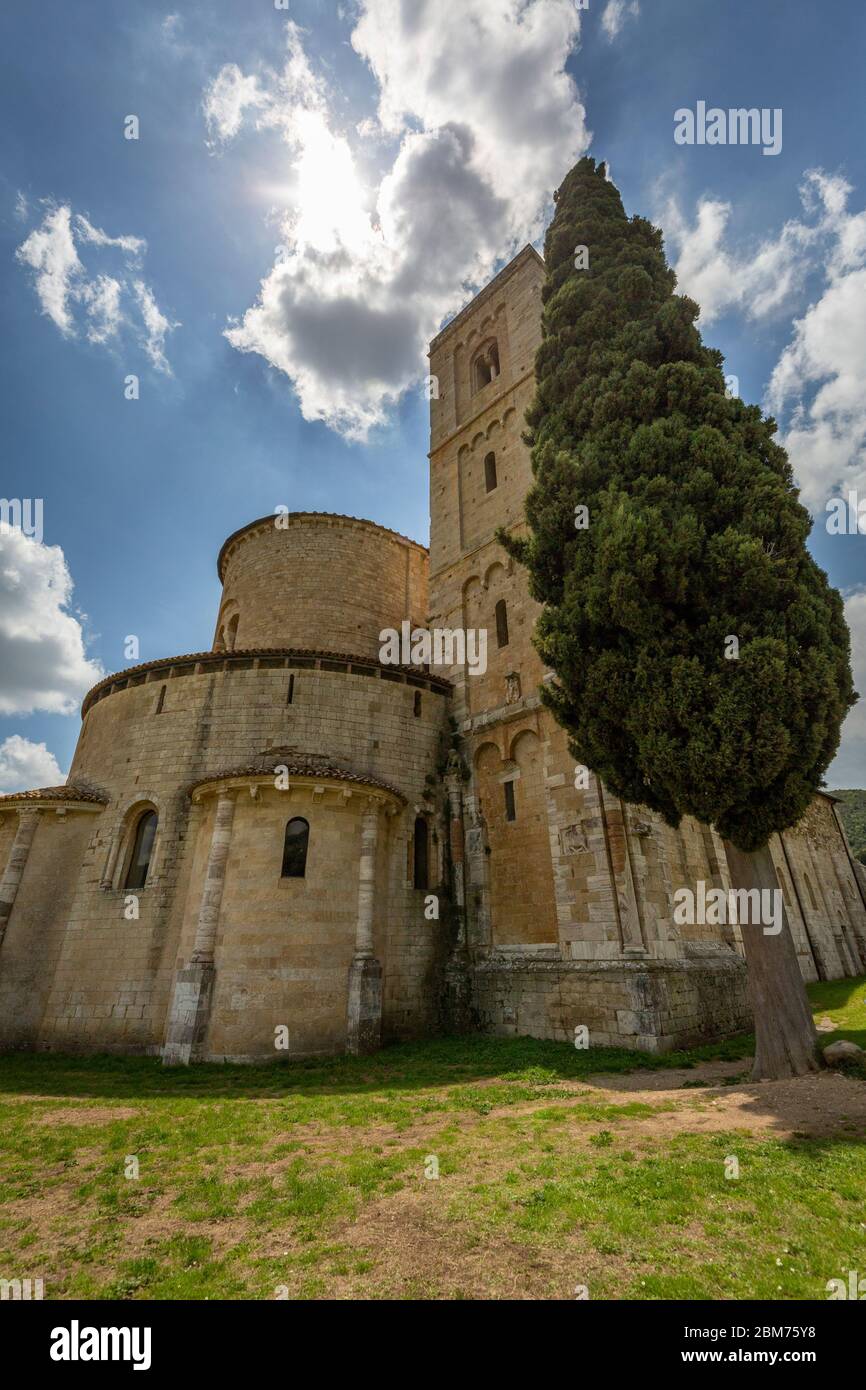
x=694 y=536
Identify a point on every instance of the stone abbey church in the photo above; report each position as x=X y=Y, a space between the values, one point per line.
x=286 y=846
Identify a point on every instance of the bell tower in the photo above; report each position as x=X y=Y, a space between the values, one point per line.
x=482 y=365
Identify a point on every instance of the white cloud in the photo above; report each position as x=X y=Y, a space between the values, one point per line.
x=25 y=766
x=134 y=246
x=818 y=384
x=102 y=298
x=757 y=280
x=226 y=100
x=77 y=298
x=369 y=270
x=616 y=12
x=848 y=769
x=50 y=252
x=826 y=433
x=156 y=325
x=43 y=664
x=817 y=389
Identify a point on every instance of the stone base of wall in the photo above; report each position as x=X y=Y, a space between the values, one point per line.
x=643 y=1004
x=649 y=1005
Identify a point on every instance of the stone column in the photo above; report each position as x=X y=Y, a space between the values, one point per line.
x=212 y=893
x=189 y=1014
x=15 y=865
x=454 y=788
x=364 y=1016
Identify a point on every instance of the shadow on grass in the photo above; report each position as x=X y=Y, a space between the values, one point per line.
x=411 y=1066
x=432 y=1062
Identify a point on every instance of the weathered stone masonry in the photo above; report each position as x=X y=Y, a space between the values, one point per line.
x=156 y=903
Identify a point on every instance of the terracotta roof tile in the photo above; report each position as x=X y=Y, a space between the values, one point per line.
x=68 y=793
x=298 y=767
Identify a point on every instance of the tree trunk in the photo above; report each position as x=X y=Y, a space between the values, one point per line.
x=786 y=1043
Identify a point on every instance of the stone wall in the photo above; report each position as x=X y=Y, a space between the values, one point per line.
x=314 y=580
x=104 y=979
x=650 y=1006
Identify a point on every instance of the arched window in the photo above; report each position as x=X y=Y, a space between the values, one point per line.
x=485 y=365
x=501 y=624
x=295 y=848
x=419 y=878
x=142 y=849
x=232 y=632
x=490 y=471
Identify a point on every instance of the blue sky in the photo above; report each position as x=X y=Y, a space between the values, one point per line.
x=328 y=184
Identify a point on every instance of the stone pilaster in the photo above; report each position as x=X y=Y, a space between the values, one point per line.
x=364 y=1014
x=622 y=875
x=477 y=872
x=189 y=1014
x=458 y=867
x=15 y=865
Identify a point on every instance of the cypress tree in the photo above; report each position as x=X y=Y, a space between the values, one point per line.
x=702 y=659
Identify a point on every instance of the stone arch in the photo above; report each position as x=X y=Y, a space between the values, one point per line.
x=229 y=612
x=122 y=842
x=487 y=754
x=470 y=599
x=494 y=574
x=524 y=745
x=484 y=366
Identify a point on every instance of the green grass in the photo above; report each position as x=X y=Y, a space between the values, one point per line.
x=844 y=1003
x=311 y=1177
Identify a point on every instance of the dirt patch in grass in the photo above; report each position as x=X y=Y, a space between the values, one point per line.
x=86 y=1115
x=826 y=1103
x=417 y=1252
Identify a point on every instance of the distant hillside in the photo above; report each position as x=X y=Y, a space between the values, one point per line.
x=852 y=809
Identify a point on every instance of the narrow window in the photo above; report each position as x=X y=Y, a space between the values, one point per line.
x=420 y=853
x=161 y=701
x=232 y=635
x=295 y=848
x=490 y=472
x=811 y=894
x=501 y=624
x=291 y=692
x=510 y=812
x=417 y=709
x=142 y=849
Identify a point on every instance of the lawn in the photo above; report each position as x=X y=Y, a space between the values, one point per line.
x=458 y=1168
